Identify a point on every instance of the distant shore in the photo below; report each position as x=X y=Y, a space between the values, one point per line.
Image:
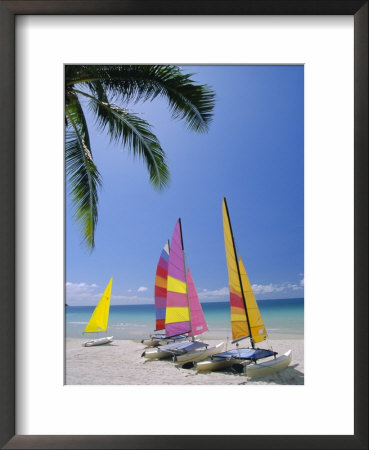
x=120 y=363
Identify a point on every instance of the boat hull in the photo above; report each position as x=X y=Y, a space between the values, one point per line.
x=198 y=355
x=155 y=353
x=213 y=365
x=174 y=349
x=150 y=343
x=100 y=341
x=269 y=367
x=170 y=341
x=155 y=342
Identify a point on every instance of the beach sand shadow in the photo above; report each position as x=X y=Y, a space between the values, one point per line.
x=153 y=360
x=289 y=376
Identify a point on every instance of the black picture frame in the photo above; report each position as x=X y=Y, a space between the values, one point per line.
x=8 y=12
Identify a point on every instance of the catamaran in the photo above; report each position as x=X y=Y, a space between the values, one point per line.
x=183 y=313
x=199 y=326
x=161 y=303
x=246 y=320
x=99 y=319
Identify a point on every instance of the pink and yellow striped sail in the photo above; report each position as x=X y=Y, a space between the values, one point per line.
x=161 y=287
x=177 y=317
x=240 y=327
x=258 y=331
x=198 y=322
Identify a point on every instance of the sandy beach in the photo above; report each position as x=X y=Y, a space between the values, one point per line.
x=121 y=363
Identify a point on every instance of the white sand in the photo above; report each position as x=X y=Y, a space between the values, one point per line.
x=121 y=363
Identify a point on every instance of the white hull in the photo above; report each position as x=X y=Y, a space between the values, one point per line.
x=100 y=341
x=155 y=353
x=164 y=341
x=199 y=355
x=269 y=367
x=213 y=365
x=150 y=343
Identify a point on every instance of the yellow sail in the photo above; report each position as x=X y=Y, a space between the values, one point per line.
x=239 y=323
x=258 y=331
x=99 y=318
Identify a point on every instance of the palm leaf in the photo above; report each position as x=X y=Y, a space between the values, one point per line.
x=134 y=133
x=106 y=85
x=188 y=101
x=83 y=176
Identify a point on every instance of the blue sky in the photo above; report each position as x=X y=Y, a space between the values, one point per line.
x=253 y=155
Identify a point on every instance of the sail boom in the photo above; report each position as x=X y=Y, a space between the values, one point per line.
x=240 y=339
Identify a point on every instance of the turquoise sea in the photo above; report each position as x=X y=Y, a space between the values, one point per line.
x=283 y=318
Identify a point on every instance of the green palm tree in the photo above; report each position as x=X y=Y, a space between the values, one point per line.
x=102 y=87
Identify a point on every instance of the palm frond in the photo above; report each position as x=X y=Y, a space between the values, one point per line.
x=191 y=102
x=134 y=133
x=83 y=176
x=104 y=85
x=76 y=117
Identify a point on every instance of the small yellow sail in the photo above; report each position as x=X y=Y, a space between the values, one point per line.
x=258 y=331
x=99 y=318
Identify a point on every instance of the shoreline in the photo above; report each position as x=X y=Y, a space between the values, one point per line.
x=120 y=363
x=212 y=335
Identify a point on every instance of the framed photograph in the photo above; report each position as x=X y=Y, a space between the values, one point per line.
x=257 y=113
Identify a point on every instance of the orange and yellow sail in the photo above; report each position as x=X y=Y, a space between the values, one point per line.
x=258 y=331
x=240 y=291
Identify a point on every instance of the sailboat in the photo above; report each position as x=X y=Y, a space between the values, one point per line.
x=246 y=319
x=183 y=310
x=199 y=326
x=161 y=302
x=99 y=319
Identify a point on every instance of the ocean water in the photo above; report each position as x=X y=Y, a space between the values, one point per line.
x=284 y=319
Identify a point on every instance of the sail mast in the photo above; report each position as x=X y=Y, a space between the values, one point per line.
x=238 y=272
x=185 y=271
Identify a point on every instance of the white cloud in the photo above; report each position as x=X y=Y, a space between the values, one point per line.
x=83 y=294
x=286 y=289
x=271 y=290
x=130 y=300
x=69 y=284
x=214 y=295
x=266 y=288
x=79 y=288
x=89 y=294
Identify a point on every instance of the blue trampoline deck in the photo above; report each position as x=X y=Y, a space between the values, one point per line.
x=182 y=347
x=245 y=353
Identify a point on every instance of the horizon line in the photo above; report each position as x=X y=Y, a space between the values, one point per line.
x=223 y=301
